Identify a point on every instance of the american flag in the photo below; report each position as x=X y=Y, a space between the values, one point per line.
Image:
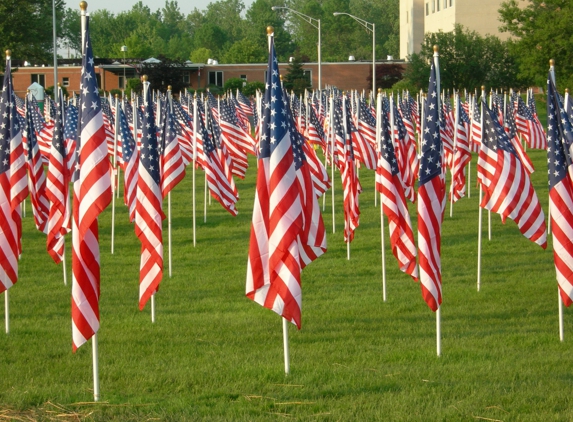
x=36 y=175
x=407 y=156
x=186 y=139
x=42 y=128
x=364 y=151
x=10 y=221
x=431 y=195
x=70 y=138
x=92 y=194
x=345 y=162
x=527 y=125
x=275 y=261
x=462 y=153
x=130 y=163
x=217 y=169
x=148 y=212
x=57 y=189
x=366 y=122
x=389 y=184
x=507 y=187
x=559 y=136
x=238 y=142
x=172 y=165
x=314 y=130
x=511 y=129
x=476 y=131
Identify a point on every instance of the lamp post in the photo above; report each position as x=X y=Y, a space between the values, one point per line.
x=371 y=27
x=315 y=23
x=124 y=49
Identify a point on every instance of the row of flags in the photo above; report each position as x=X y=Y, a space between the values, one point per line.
x=153 y=138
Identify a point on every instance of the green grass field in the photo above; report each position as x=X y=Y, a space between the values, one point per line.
x=215 y=355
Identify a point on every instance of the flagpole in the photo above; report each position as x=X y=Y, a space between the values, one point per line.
x=382 y=241
x=113 y=173
x=330 y=129
x=439 y=107
x=64 y=264
x=456 y=122
x=170 y=99
x=95 y=355
x=438 y=332
x=285 y=342
x=7 y=311
x=195 y=125
x=560 y=314
x=479 y=239
x=488 y=211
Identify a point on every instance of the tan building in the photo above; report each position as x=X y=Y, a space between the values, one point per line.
x=441 y=15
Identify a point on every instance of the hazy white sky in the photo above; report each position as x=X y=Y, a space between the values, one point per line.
x=116 y=6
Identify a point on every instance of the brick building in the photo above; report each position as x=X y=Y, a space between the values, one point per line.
x=110 y=74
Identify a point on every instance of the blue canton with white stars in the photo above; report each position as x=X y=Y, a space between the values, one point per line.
x=386 y=145
x=494 y=136
x=431 y=159
x=9 y=123
x=125 y=137
x=149 y=153
x=559 y=137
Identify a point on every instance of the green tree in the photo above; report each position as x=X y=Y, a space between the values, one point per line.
x=252 y=87
x=245 y=51
x=26 y=28
x=210 y=36
x=232 y=84
x=543 y=31
x=295 y=79
x=467 y=60
x=201 y=55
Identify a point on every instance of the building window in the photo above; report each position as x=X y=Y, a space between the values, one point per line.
x=186 y=78
x=66 y=82
x=121 y=82
x=216 y=78
x=407 y=13
x=445 y=4
x=244 y=77
x=38 y=78
x=308 y=76
x=438 y=5
x=451 y=2
x=433 y=6
x=427 y=9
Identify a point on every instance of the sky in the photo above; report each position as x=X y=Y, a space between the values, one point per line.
x=115 y=6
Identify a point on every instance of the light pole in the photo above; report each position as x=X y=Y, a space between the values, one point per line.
x=124 y=49
x=316 y=23
x=372 y=28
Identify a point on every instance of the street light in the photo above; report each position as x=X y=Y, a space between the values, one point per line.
x=124 y=49
x=315 y=23
x=372 y=28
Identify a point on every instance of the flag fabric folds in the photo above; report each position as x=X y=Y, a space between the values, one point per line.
x=10 y=140
x=507 y=188
x=431 y=195
x=92 y=194
x=559 y=137
x=278 y=224
x=148 y=206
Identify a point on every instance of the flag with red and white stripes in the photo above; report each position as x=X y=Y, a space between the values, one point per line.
x=389 y=184
x=528 y=126
x=462 y=153
x=10 y=221
x=57 y=189
x=92 y=194
x=559 y=135
x=36 y=175
x=172 y=166
x=148 y=206
x=431 y=196
x=278 y=231
x=129 y=163
x=507 y=188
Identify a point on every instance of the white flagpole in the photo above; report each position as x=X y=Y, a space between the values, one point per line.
x=456 y=122
x=438 y=332
x=382 y=241
x=479 y=240
x=7 y=311
x=560 y=314
x=170 y=99
x=64 y=265
x=488 y=211
x=332 y=135
x=195 y=126
x=95 y=367
x=113 y=173
x=285 y=342
x=153 y=307
x=95 y=359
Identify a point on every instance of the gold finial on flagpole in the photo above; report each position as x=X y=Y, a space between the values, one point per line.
x=379 y=90
x=270 y=30
x=144 y=78
x=551 y=62
x=567 y=90
x=169 y=87
x=8 y=54
x=436 y=49
x=84 y=5
x=483 y=87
